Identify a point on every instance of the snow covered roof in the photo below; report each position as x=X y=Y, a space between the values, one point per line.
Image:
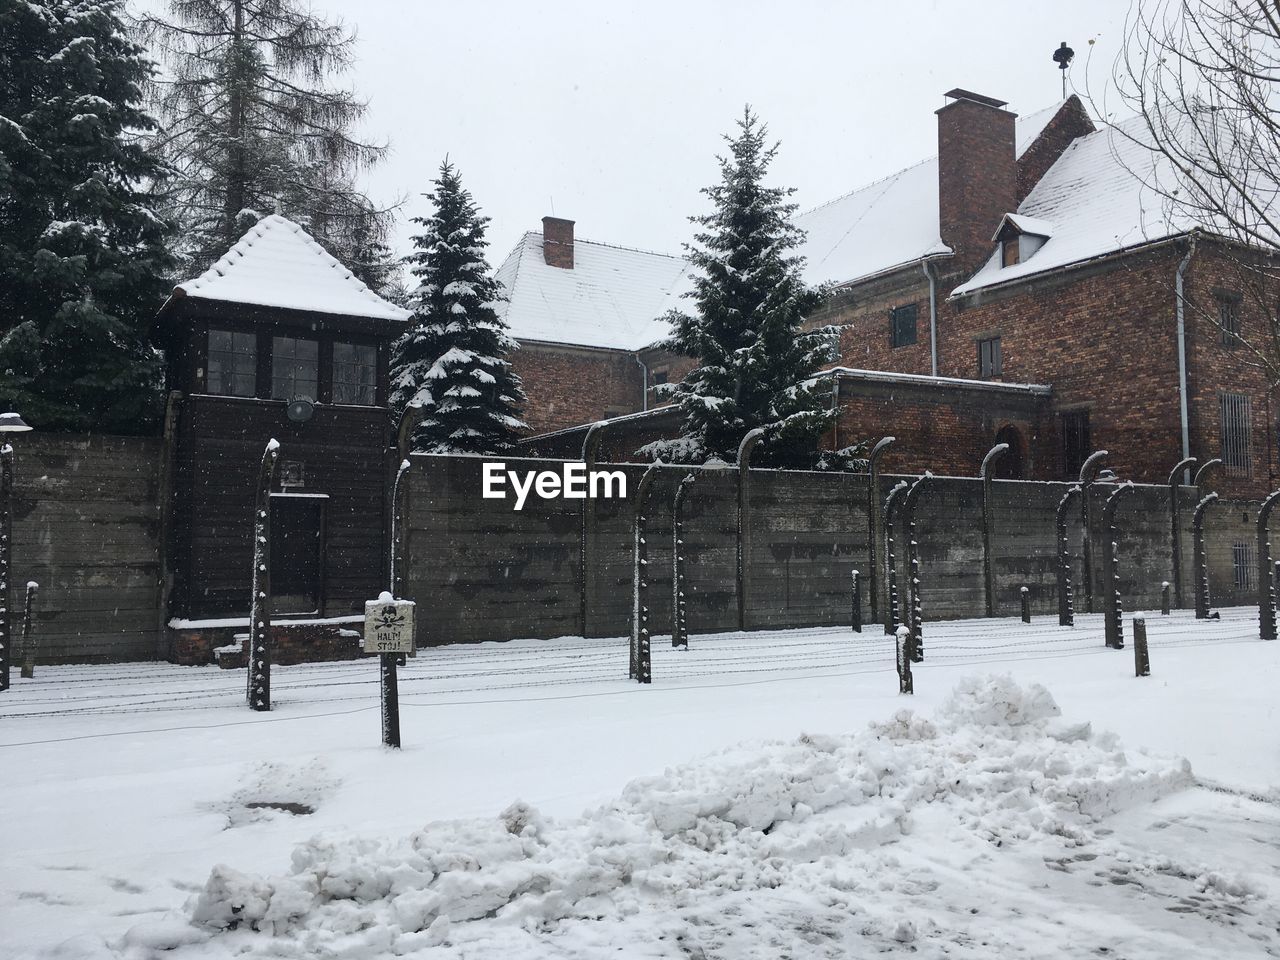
x=1096 y=200
x=886 y=376
x=278 y=264
x=1031 y=225
x=889 y=223
x=612 y=297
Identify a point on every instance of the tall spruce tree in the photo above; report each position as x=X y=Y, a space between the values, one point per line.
x=250 y=127
x=82 y=253
x=451 y=360
x=755 y=366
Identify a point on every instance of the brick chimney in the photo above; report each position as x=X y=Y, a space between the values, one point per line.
x=557 y=242
x=977 y=174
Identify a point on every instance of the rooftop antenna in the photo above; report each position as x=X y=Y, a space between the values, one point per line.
x=1062 y=57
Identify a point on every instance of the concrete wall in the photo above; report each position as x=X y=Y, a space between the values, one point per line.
x=483 y=571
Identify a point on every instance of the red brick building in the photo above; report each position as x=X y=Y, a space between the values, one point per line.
x=1021 y=286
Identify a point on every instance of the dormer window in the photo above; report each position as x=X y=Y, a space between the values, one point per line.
x=1020 y=237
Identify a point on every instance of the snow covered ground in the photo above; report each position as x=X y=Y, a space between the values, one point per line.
x=766 y=797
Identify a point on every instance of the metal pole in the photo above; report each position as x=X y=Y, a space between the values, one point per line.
x=1199 y=557
x=1025 y=596
x=856 y=605
x=892 y=617
x=916 y=618
x=745 y=449
x=1175 y=528
x=988 y=570
x=875 y=521
x=1066 y=604
x=1141 y=659
x=1114 y=624
x=259 y=689
x=1266 y=582
x=1088 y=473
x=390 y=687
x=6 y=541
x=679 y=623
x=641 y=665
x=28 y=645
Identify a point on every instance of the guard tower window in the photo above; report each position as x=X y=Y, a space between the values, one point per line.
x=295 y=368
x=902 y=325
x=232 y=364
x=355 y=373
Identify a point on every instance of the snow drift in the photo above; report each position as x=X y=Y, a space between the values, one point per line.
x=820 y=814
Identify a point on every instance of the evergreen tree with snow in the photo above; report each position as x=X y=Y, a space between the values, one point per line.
x=250 y=127
x=755 y=366
x=451 y=360
x=83 y=255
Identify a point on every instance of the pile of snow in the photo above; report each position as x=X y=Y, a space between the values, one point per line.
x=816 y=818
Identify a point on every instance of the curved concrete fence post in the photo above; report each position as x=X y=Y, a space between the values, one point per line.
x=1114 y=623
x=875 y=524
x=1088 y=473
x=679 y=618
x=892 y=618
x=1175 y=528
x=258 y=692
x=1066 y=600
x=586 y=525
x=1199 y=557
x=988 y=568
x=915 y=619
x=641 y=670
x=745 y=449
x=1266 y=576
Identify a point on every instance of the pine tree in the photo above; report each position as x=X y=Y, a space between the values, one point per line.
x=250 y=128
x=755 y=366
x=82 y=253
x=451 y=360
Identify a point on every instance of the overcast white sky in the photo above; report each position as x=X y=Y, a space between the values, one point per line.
x=609 y=113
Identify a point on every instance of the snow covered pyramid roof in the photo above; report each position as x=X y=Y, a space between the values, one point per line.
x=889 y=223
x=278 y=264
x=611 y=297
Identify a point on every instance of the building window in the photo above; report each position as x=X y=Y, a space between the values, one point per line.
x=355 y=374
x=1009 y=252
x=1074 y=427
x=659 y=377
x=902 y=325
x=232 y=364
x=1229 y=318
x=1236 y=435
x=989 y=360
x=1242 y=562
x=295 y=368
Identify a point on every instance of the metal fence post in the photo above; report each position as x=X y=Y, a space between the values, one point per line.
x=745 y=449
x=856 y=604
x=1114 y=624
x=259 y=690
x=875 y=522
x=6 y=555
x=641 y=666
x=906 y=682
x=988 y=569
x=1266 y=579
x=1141 y=659
x=679 y=623
x=915 y=618
x=1088 y=473
x=892 y=615
x=29 y=645
x=586 y=524
x=1066 y=598
x=1025 y=596
x=1175 y=528
x=1199 y=556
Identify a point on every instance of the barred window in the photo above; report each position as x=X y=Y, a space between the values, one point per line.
x=1242 y=563
x=1229 y=318
x=902 y=325
x=1074 y=426
x=1236 y=435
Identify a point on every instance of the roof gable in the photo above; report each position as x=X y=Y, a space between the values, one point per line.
x=278 y=264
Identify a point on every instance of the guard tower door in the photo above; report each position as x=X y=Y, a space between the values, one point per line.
x=297 y=552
